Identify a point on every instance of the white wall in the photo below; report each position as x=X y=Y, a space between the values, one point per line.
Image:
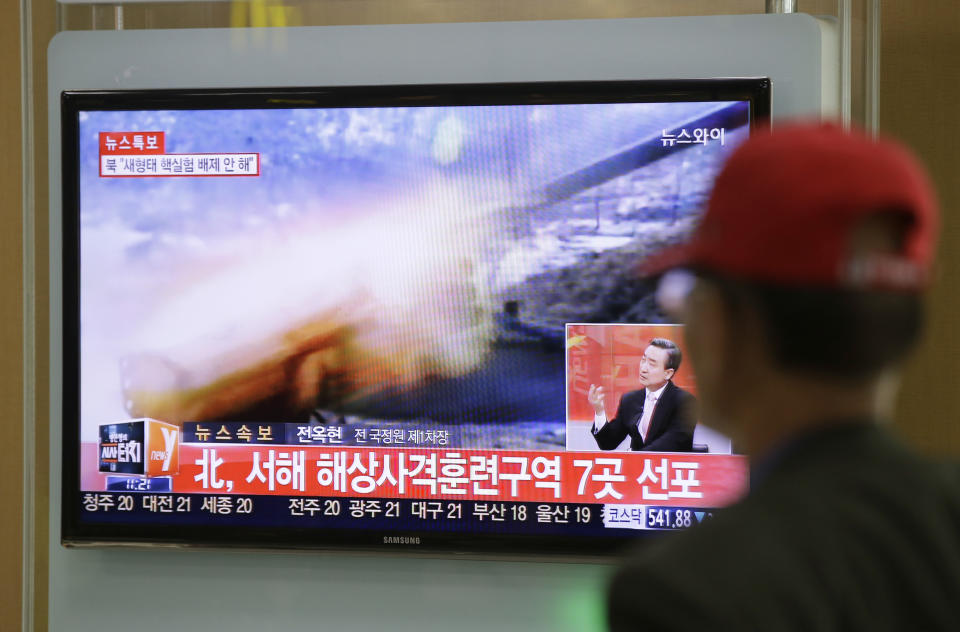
x=147 y=590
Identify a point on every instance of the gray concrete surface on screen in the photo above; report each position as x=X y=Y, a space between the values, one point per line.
x=251 y=591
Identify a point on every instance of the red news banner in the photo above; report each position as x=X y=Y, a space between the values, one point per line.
x=665 y=479
x=143 y=155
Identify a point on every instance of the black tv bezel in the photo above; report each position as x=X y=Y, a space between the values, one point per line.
x=76 y=532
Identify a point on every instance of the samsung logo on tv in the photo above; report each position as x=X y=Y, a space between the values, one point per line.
x=401 y=539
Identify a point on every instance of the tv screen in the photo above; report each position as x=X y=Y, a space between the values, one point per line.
x=387 y=317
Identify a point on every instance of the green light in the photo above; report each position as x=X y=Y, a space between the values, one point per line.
x=583 y=607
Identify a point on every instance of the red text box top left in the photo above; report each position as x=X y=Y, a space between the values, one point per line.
x=128 y=143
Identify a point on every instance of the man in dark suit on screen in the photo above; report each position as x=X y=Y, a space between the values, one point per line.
x=660 y=417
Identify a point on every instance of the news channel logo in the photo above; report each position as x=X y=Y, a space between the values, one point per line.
x=146 y=447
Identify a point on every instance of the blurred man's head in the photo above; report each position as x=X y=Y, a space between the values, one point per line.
x=659 y=363
x=808 y=271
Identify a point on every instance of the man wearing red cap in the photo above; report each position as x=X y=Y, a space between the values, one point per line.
x=801 y=291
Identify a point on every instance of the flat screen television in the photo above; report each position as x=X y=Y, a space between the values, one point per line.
x=372 y=317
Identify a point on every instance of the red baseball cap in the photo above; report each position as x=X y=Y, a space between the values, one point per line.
x=785 y=207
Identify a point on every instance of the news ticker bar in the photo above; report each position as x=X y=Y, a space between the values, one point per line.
x=180 y=165
x=284 y=433
x=624 y=478
x=402 y=513
x=143 y=154
x=150 y=449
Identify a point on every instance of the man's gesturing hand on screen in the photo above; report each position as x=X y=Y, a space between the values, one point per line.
x=595 y=397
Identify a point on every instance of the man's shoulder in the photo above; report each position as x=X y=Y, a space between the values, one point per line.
x=815 y=529
x=697 y=579
x=632 y=396
x=681 y=394
x=723 y=538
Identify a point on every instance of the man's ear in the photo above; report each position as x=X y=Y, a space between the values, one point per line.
x=708 y=332
x=669 y=373
x=737 y=336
